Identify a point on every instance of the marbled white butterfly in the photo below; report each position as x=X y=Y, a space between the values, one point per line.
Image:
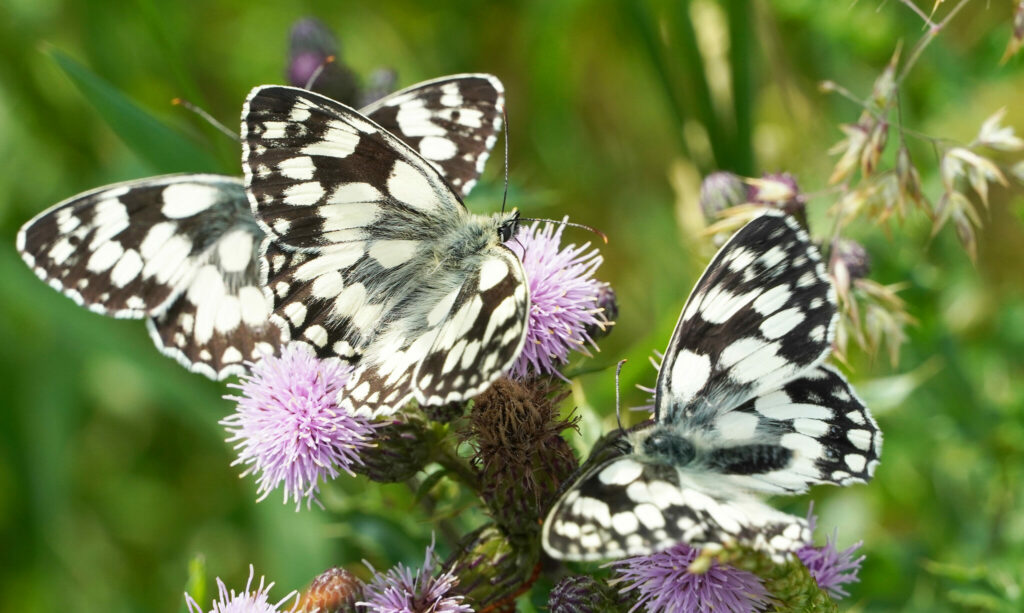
x=743 y=405
x=182 y=251
x=373 y=255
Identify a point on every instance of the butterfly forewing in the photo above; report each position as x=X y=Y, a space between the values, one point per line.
x=178 y=248
x=318 y=172
x=452 y=122
x=763 y=311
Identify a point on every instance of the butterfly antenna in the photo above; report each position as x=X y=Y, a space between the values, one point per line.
x=209 y=118
x=319 y=71
x=603 y=236
x=618 y=414
x=504 y=117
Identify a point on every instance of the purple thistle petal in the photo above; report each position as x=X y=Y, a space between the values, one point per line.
x=289 y=428
x=663 y=583
x=563 y=298
x=399 y=590
x=249 y=601
x=830 y=567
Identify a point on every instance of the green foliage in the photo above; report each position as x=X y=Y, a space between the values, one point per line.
x=113 y=470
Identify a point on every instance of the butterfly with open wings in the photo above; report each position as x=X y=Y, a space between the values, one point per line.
x=743 y=406
x=182 y=251
x=371 y=254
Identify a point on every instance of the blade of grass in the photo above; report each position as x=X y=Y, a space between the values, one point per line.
x=697 y=85
x=164 y=148
x=740 y=37
x=645 y=26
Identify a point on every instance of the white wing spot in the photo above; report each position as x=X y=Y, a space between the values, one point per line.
x=407 y=184
x=690 y=373
x=492 y=272
x=187 y=199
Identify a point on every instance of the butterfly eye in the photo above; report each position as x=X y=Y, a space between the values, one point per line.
x=508 y=228
x=670 y=448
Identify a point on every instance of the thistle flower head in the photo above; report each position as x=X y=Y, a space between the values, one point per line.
x=250 y=601
x=778 y=190
x=312 y=47
x=719 y=191
x=563 y=298
x=400 y=590
x=830 y=567
x=288 y=428
x=663 y=582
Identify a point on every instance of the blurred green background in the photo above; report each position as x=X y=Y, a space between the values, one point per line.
x=113 y=470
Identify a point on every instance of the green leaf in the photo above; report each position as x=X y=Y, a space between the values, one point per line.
x=196 y=584
x=428 y=484
x=164 y=148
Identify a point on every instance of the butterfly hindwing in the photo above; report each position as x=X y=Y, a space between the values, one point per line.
x=628 y=507
x=762 y=312
x=452 y=122
x=178 y=249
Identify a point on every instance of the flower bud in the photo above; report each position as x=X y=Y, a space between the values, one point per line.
x=313 y=46
x=382 y=82
x=333 y=591
x=609 y=305
x=778 y=190
x=400 y=452
x=491 y=572
x=720 y=191
x=516 y=429
x=577 y=593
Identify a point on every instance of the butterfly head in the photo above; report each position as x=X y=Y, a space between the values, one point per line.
x=508 y=225
x=665 y=445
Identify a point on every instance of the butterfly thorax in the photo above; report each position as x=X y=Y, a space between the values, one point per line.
x=665 y=446
x=467 y=240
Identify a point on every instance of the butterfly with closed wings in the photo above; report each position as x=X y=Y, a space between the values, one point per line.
x=372 y=256
x=743 y=406
x=182 y=251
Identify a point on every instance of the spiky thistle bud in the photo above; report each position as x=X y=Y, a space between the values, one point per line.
x=577 y=593
x=333 y=591
x=515 y=428
x=492 y=573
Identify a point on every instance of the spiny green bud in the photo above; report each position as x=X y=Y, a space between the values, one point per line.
x=491 y=572
x=578 y=593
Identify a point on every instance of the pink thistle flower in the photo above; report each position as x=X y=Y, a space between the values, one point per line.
x=564 y=298
x=249 y=601
x=399 y=590
x=289 y=428
x=663 y=583
x=830 y=567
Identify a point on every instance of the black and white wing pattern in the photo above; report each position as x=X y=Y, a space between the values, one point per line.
x=183 y=250
x=373 y=257
x=743 y=406
x=178 y=250
x=452 y=122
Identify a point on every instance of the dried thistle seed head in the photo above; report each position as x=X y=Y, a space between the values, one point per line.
x=515 y=428
x=401 y=451
x=720 y=191
x=312 y=47
x=333 y=591
x=577 y=593
x=491 y=572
